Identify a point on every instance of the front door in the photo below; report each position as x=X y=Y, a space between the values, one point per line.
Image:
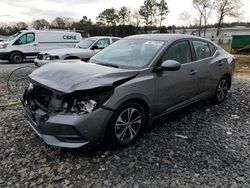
x=27 y=45
x=175 y=87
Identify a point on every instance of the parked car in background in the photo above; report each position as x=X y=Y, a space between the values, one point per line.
x=27 y=44
x=125 y=86
x=84 y=50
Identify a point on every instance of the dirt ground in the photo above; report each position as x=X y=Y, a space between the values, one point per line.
x=242 y=68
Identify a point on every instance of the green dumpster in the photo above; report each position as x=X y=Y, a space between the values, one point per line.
x=240 y=43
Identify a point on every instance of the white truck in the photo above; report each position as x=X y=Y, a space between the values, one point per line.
x=27 y=44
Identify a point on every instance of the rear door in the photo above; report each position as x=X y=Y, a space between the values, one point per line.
x=204 y=54
x=175 y=87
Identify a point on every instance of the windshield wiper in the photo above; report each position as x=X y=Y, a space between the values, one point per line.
x=108 y=65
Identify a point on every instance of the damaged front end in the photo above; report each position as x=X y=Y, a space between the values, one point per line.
x=65 y=104
x=59 y=117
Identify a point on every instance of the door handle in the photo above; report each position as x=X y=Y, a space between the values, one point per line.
x=220 y=63
x=193 y=72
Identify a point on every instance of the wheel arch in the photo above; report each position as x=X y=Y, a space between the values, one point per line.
x=141 y=102
x=16 y=51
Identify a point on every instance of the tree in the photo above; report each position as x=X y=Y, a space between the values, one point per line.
x=85 y=24
x=108 y=17
x=68 y=22
x=124 y=15
x=162 y=11
x=227 y=8
x=202 y=7
x=206 y=15
x=136 y=19
x=148 y=12
x=185 y=17
x=21 y=26
x=40 y=24
x=58 y=23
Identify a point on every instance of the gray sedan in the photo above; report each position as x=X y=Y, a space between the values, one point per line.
x=124 y=87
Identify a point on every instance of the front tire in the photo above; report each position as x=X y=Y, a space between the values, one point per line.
x=221 y=90
x=16 y=58
x=126 y=124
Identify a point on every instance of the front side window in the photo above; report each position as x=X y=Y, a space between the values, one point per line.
x=102 y=43
x=202 y=49
x=179 y=52
x=129 y=53
x=25 y=39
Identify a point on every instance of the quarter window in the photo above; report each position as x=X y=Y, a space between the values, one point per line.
x=114 y=40
x=179 y=52
x=202 y=49
x=212 y=49
x=25 y=39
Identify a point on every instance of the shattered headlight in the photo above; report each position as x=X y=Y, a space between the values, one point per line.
x=84 y=105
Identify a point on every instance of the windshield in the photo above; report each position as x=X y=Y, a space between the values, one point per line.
x=128 y=53
x=86 y=43
x=14 y=36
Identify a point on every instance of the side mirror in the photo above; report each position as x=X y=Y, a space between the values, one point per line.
x=169 y=65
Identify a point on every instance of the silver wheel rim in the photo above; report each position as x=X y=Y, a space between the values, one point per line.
x=128 y=125
x=222 y=90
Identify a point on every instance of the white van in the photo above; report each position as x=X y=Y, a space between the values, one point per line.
x=27 y=44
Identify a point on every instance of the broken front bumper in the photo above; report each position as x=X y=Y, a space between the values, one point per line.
x=69 y=130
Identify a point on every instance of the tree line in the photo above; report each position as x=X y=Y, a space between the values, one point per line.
x=205 y=9
x=148 y=18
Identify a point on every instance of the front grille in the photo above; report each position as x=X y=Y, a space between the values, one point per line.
x=40 y=56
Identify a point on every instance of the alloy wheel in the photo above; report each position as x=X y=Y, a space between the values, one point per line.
x=128 y=125
x=222 y=90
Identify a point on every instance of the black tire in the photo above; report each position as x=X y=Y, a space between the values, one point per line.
x=16 y=58
x=221 y=90
x=119 y=123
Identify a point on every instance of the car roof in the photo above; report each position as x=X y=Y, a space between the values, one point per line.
x=98 y=37
x=163 y=37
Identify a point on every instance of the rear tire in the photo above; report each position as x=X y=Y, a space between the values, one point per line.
x=221 y=90
x=16 y=58
x=126 y=124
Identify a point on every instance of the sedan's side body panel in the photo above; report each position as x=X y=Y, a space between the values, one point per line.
x=173 y=87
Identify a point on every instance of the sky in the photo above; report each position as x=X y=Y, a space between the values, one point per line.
x=28 y=10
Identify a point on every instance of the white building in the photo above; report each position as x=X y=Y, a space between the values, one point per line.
x=225 y=36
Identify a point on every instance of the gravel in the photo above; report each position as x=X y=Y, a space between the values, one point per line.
x=202 y=145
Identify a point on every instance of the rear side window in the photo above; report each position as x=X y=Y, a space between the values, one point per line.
x=25 y=39
x=179 y=52
x=202 y=49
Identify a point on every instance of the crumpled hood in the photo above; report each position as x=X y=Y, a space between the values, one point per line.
x=65 y=51
x=70 y=77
